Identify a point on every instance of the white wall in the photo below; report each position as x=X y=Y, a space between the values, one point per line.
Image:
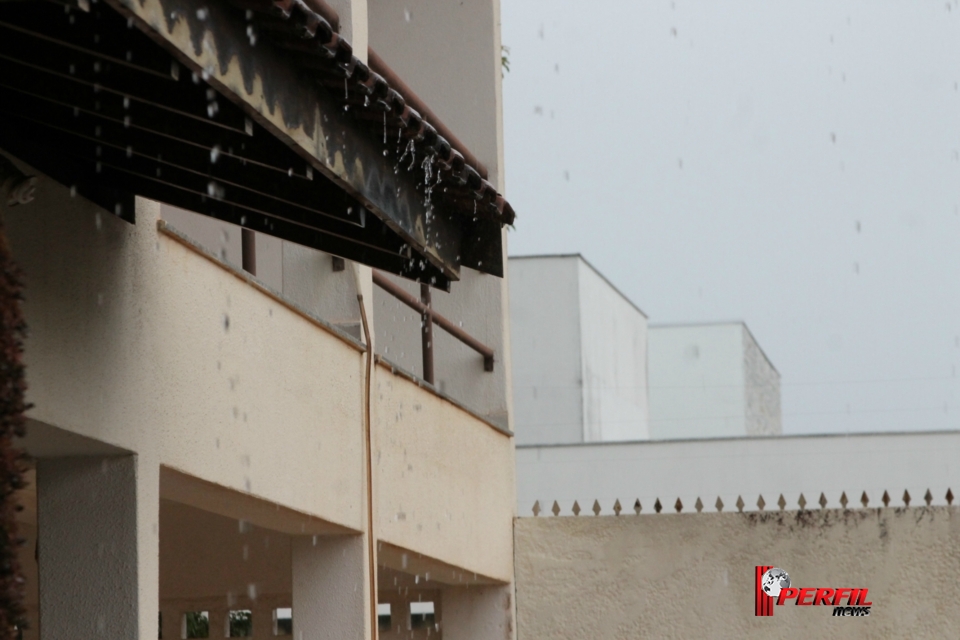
x=547 y=370
x=696 y=381
x=579 y=354
x=732 y=467
x=461 y=83
x=613 y=339
x=762 y=380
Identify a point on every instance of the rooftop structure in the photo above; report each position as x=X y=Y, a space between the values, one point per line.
x=579 y=354
x=711 y=380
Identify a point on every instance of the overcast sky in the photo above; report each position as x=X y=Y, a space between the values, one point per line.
x=793 y=164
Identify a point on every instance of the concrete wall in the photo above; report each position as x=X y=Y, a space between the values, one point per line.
x=303 y=275
x=547 y=364
x=445 y=481
x=449 y=54
x=698 y=383
x=143 y=343
x=613 y=339
x=762 y=390
x=462 y=81
x=580 y=354
x=477 y=304
x=692 y=576
x=139 y=342
x=739 y=467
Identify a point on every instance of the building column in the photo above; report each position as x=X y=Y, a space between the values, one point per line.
x=98 y=547
x=353 y=24
x=331 y=594
x=478 y=613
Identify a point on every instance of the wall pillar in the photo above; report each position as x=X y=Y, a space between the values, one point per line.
x=98 y=547
x=478 y=613
x=331 y=594
x=353 y=24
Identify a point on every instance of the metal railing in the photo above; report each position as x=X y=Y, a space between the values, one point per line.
x=423 y=306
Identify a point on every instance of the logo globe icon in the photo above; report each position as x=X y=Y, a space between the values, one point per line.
x=773 y=581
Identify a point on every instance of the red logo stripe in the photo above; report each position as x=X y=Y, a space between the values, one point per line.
x=763 y=604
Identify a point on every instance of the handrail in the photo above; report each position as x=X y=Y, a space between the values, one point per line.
x=428 y=312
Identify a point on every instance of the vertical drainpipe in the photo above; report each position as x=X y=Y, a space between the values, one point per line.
x=427 y=334
x=248 y=249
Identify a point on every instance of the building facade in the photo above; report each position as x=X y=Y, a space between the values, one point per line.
x=579 y=354
x=711 y=381
x=232 y=199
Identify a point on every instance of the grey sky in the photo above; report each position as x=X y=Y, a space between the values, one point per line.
x=793 y=164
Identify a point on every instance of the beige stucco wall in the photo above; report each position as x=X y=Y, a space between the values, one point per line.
x=141 y=342
x=475 y=303
x=446 y=480
x=137 y=341
x=692 y=575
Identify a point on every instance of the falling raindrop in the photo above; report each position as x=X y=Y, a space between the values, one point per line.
x=214 y=190
x=202 y=13
x=214 y=153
